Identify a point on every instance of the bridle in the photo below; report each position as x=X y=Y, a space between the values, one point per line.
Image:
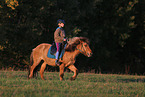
x=82 y=47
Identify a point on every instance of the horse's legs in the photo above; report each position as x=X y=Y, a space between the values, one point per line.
x=61 y=70
x=43 y=66
x=75 y=70
x=33 y=67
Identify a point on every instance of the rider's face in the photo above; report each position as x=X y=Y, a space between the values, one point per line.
x=61 y=24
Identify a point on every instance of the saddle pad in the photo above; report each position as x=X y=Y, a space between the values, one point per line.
x=49 y=55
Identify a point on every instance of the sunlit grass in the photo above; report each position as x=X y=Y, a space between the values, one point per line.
x=16 y=84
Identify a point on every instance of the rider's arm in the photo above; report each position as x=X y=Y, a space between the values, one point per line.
x=58 y=35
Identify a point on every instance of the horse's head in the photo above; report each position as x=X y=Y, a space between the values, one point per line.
x=81 y=44
x=84 y=48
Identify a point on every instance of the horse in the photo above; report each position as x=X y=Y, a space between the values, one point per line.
x=75 y=46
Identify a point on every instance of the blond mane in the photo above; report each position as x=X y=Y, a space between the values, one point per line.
x=73 y=42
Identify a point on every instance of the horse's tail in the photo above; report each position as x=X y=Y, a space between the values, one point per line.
x=31 y=59
x=31 y=63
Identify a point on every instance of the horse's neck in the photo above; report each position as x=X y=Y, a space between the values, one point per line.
x=75 y=53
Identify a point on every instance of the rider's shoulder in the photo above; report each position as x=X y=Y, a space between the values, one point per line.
x=58 y=28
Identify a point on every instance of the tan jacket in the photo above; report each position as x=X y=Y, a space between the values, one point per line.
x=59 y=35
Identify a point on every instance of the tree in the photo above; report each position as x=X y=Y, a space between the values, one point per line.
x=115 y=29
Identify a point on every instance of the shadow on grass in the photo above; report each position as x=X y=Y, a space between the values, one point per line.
x=123 y=80
x=131 y=80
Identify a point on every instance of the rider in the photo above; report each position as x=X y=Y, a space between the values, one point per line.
x=59 y=37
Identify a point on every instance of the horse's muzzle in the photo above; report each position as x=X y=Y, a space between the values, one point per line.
x=89 y=54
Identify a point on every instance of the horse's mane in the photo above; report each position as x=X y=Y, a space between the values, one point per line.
x=73 y=42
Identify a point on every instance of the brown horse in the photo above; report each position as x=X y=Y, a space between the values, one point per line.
x=74 y=47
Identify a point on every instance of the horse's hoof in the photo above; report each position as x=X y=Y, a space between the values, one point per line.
x=42 y=78
x=61 y=79
x=72 y=78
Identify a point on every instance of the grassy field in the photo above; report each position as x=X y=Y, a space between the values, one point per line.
x=15 y=84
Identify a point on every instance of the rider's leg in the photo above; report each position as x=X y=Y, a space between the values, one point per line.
x=58 y=46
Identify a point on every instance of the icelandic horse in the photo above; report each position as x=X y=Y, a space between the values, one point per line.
x=75 y=46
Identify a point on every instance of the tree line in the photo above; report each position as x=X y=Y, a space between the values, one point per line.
x=115 y=29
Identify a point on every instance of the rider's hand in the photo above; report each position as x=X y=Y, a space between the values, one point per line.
x=64 y=39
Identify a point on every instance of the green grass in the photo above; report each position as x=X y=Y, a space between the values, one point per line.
x=15 y=84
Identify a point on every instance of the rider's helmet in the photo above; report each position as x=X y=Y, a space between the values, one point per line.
x=60 y=21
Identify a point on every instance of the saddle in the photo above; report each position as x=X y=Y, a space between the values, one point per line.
x=53 y=49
